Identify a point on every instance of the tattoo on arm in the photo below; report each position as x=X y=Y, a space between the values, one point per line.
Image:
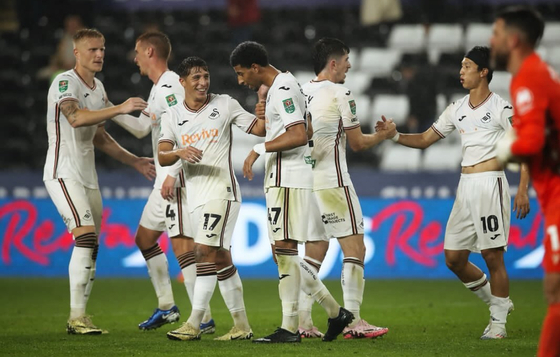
x=69 y=110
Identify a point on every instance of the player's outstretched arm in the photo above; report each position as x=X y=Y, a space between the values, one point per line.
x=416 y=141
x=105 y=142
x=139 y=127
x=359 y=141
x=84 y=117
x=521 y=200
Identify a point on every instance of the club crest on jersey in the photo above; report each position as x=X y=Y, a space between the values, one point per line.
x=171 y=100
x=352 y=106
x=215 y=114
x=289 y=106
x=310 y=161
x=486 y=118
x=62 y=86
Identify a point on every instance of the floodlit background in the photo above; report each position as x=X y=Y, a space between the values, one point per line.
x=405 y=59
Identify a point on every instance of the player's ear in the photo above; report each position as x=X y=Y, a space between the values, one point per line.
x=332 y=63
x=256 y=68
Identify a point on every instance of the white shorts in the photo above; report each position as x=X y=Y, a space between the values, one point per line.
x=171 y=216
x=315 y=226
x=77 y=205
x=288 y=209
x=340 y=212
x=481 y=213
x=215 y=222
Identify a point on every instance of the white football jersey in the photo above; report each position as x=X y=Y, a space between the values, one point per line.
x=481 y=127
x=166 y=93
x=71 y=151
x=285 y=107
x=209 y=130
x=333 y=110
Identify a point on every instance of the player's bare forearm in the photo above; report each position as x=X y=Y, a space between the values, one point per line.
x=521 y=203
x=295 y=136
x=419 y=141
x=259 y=129
x=166 y=155
x=359 y=141
x=524 y=177
x=105 y=142
x=84 y=117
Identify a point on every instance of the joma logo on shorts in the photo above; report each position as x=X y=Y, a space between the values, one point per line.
x=203 y=134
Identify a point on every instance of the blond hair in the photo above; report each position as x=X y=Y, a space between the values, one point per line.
x=86 y=34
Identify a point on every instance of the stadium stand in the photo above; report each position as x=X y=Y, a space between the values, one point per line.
x=379 y=55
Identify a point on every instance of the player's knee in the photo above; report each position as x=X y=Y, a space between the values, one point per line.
x=455 y=263
x=205 y=254
x=493 y=258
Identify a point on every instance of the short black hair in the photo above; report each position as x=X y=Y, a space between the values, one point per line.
x=247 y=53
x=188 y=64
x=481 y=56
x=324 y=49
x=525 y=19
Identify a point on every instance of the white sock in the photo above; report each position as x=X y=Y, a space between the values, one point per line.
x=188 y=268
x=312 y=285
x=206 y=277
x=352 y=280
x=499 y=309
x=231 y=289
x=158 y=269
x=78 y=272
x=289 y=286
x=304 y=310
x=91 y=279
x=481 y=288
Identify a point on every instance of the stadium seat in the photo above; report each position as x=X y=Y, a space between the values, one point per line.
x=443 y=38
x=394 y=106
x=441 y=102
x=378 y=62
x=553 y=57
x=500 y=84
x=477 y=34
x=456 y=96
x=400 y=158
x=409 y=38
x=357 y=82
x=363 y=109
x=551 y=35
x=304 y=76
x=440 y=157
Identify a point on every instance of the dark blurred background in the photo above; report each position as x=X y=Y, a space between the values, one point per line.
x=405 y=54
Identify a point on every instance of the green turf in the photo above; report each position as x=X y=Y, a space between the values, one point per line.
x=425 y=318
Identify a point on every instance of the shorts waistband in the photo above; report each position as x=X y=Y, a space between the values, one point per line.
x=483 y=174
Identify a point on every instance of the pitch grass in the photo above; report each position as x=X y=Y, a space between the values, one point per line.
x=425 y=318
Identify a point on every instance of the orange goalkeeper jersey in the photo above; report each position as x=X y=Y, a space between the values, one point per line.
x=535 y=92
